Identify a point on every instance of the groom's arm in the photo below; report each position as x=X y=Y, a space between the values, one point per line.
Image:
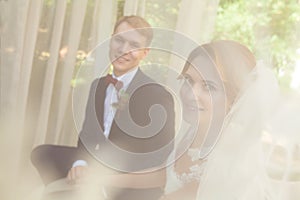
x=79 y=167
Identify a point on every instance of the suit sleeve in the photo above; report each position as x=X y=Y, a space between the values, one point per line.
x=91 y=127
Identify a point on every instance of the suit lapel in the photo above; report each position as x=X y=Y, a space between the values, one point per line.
x=138 y=80
x=99 y=100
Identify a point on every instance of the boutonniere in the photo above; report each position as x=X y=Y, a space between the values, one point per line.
x=123 y=99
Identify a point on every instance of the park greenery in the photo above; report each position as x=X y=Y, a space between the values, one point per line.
x=270 y=28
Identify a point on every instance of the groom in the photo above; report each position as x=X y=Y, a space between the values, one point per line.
x=129 y=120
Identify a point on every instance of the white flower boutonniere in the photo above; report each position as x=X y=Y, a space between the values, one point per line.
x=123 y=99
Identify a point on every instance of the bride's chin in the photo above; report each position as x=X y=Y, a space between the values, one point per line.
x=199 y=118
x=190 y=119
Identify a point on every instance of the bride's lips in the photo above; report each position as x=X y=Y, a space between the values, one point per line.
x=192 y=107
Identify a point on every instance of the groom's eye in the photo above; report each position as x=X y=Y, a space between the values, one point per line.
x=118 y=39
x=135 y=45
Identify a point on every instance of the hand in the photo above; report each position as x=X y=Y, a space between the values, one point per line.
x=76 y=174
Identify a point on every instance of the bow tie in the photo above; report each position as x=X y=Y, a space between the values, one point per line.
x=109 y=79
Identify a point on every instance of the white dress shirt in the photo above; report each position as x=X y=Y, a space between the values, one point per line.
x=111 y=97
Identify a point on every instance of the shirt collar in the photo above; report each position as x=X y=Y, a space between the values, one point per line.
x=127 y=77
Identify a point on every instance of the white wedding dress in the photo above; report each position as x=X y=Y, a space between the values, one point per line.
x=175 y=181
x=257 y=156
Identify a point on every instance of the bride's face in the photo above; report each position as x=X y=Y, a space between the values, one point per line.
x=202 y=93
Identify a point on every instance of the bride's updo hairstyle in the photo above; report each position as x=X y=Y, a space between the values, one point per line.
x=234 y=62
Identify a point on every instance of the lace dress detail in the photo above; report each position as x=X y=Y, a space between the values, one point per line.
x=195 y=171
x=176 y=180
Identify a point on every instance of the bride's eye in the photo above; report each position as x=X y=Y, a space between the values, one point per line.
x=188 y=79
x=209 y=87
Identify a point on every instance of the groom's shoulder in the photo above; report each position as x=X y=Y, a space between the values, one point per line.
x=97 y=82
x=150 y=87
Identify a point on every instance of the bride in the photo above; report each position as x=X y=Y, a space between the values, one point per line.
x=222 y=97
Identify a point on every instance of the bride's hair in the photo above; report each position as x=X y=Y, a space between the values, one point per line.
x=239 y=148
x=234 y=62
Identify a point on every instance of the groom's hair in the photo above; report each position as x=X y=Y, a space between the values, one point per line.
x=139 y=23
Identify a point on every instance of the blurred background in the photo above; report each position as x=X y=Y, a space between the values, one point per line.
x=43 y=43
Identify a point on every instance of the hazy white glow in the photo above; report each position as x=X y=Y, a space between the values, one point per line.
x=295 y=83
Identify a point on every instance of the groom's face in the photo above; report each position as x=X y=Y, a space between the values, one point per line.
x=127 y=48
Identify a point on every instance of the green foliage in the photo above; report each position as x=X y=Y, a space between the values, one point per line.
x=268 y=27
x=120 y=11
x=162 y=13
x=48 y=2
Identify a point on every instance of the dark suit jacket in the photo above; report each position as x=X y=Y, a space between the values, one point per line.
x=142 y=132
x=128 y=148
